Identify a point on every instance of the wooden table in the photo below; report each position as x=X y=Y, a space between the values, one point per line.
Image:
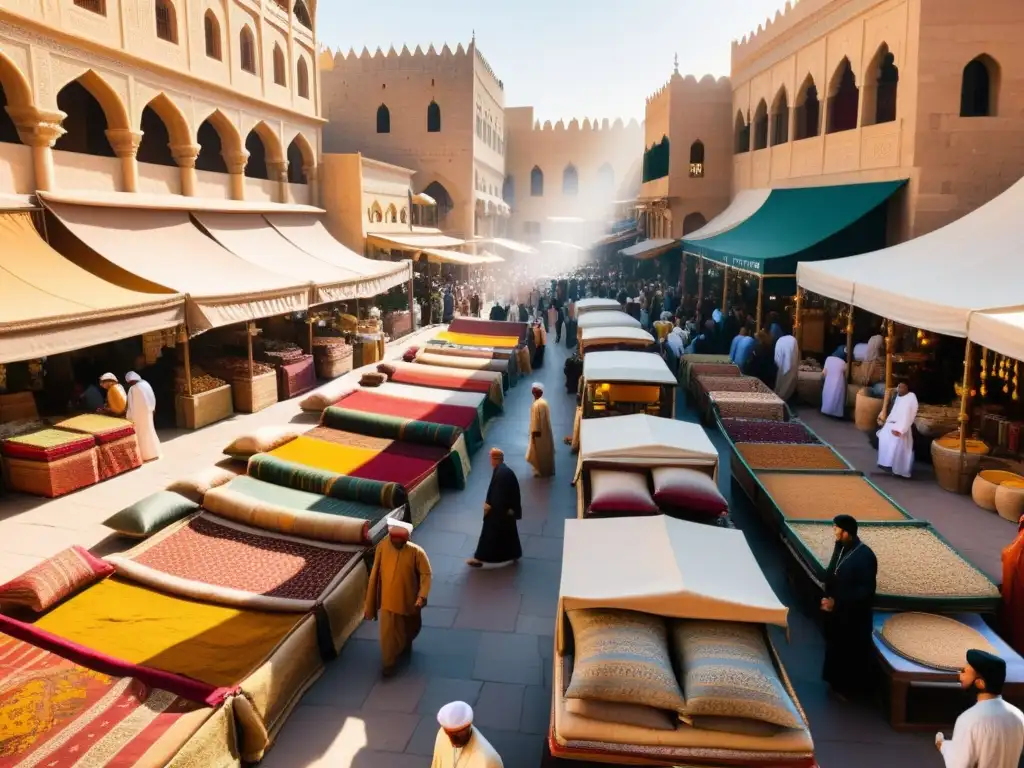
x=942 y=688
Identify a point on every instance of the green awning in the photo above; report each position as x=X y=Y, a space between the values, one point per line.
x=803 y=224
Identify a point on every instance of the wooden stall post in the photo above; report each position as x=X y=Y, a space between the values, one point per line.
x=188 y=363
x=965 y=404
x=412 y=311
x=760 y=302
x=725 y=290
x=357 y=310
x=700 y=283
x=849 y=345
x=798 y=326
x=309 y=329
x=250 y=328
x=890 y=342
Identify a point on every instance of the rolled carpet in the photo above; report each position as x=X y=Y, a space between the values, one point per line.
x=483 y=382
x=304 y=501
x=390 y=426
x=473 y=340
x=460 y=417
x=483 y=353
x=508 y=373
x=473 y=326
x=271 y=469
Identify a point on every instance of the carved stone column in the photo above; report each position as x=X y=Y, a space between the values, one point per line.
x=312 y=180
x=185 y=156
x=236 y=167
x=278 y=171
x=125 y=143
x=40 y=130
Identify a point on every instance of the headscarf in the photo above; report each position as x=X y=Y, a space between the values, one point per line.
x=991 y=668
x=846 y=523
x=108 y=377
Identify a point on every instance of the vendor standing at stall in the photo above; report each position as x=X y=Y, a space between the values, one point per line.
x=117 y=400
x=833 y=392
x=895 y=438
x=787 y=359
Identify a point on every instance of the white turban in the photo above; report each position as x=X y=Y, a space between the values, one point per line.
x=108 y=377
x=131 y=377
x=398 y=527
x=455 y=716
x=537 y=385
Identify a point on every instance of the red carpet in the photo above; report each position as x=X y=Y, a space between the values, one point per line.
x=443 y=380
x=371 y=402
x=403 y=463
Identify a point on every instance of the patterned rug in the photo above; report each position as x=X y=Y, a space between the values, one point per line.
x=225 y=556
x=118 y=456
x=103 y=428
x=342 y=437
x=428 y=376
x=54 y=712
x=371 y=402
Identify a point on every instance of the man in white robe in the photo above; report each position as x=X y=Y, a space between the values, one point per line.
x=895 y=438
x=833 y=392
x=459 y=744
x=991 y=733
x=141 y=405
x=787 y=356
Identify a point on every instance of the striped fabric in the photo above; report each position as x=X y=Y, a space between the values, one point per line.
x=393 y=427
x=270 y=469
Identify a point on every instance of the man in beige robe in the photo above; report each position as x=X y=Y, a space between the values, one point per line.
x=458 y=744
x=398 y=589
x=541 y=453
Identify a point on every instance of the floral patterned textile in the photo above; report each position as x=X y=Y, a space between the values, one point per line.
x=52 y=580
x=54 y=712
x=226 y=556
x=47 y=445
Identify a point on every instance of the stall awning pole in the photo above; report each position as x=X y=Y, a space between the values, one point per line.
x=700 y=283
x=725 y=290
x=309 y=326
x=849 y=345
x=250 y=329
x=798 y=325
x=760 y=304
x=965 y=405
x=412 y=312
x=890 y=342
x=183 y=337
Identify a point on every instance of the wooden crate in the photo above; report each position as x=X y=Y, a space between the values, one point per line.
x=255 y=394
x=197 y=411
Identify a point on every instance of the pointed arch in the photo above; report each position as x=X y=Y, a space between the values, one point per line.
x=162 y=125
x=114 y=109
x=780 y=118
x=391 y=215
x=881 y=81
x=508 y=190
x=300 y=157
x=247 y=49
x=808 y=110
x=15 y=94
x=93 y=108
x=302 y=78
x=433 y=117
x=218 y=139
x=843 y=97
x=383 y=119
x=741 y=134
x=536 y=182
x=279 y=68
x=375 y=213
x=403 y=216
x=570 y=180
x=166 y=21
x=697 y=160
x=302 y=15
x=979 y=88
x=211 y=31
x=761 y=125
x=693 y=221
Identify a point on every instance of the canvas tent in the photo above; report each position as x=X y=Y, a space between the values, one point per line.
x=618 y=334
x=622 y=366
x=586 y=306
x=663 y=566
x=607 y=319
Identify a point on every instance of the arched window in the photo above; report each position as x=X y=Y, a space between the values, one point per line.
x=693 y=222
x=508 y=190
x=247 y=50
x=433 y=117
x=761 y=125
x=296 y=163
x=156 y=140
x=8 y=130
x=256 y=167
x=741 y=135
x=780 y=119
x=979 y=88
x=842 y=99
x=383 y=119
x=211 y=28
x=211 y=149
x=880 y=84
x=404 y=216
x=86 y=123
x=536 y=182
x=279 y=77
x=302 y=78
x=697 y=160
x=570 y=180
x=302 y=14
x=808 y=111
x=391 y=216
x=166 y=21
x=375 y=213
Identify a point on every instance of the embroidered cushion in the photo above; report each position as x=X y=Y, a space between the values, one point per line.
x=52 y=580
x=727 y=671
x=688 y=490
x=620 y=492
x=372 y=379
x=151 y=514
x=263 y=440
x=623 y=657
x=196 y=485
x=387 y=369
x=623 y=714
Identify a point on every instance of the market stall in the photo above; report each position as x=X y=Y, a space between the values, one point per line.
x=610 y=339
x=619 y=383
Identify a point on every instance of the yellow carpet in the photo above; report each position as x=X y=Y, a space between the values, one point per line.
x=474 y=340
x=215 y=644
x=310 y=452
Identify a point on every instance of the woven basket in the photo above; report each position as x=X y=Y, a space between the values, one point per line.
x=20 y=406
x=1010 y=500
x=983 y=491
x=865 y=414
x=53 y=478
x=197 y=411
x=946 y=460
x=808 y=387
x=255 y=394
x=852 y=390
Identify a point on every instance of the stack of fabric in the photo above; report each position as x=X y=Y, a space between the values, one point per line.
x=332 y=356
x=116 y=444
x=50 y=462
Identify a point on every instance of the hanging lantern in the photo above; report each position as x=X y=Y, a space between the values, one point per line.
x=1016 y=388
x=984 y=372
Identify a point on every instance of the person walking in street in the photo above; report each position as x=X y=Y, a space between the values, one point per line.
x=991 y=733
x=140 y=410
x=849 y=594
x=787 y=363
x=499 y=544
x=458 y=743
x=397 y=592
x=448 y=311
x=833 y=390
x=541 y=453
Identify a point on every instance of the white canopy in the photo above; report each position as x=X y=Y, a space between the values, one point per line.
x=742 y=207
x=607 y=319
x=639 y=437
x=512 y=245
x=648 y=249
x=938 y=280
x=616 y=333
x=597 y=305
x=664 y=566
x=1002 y=332
x=645 y=367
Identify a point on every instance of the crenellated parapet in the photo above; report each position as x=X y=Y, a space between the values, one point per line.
x=392 y=59
x=690 y=86
x=792 y=14
x=618 y=125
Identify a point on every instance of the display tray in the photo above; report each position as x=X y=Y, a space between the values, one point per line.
x=255 y=394
x=197 y=411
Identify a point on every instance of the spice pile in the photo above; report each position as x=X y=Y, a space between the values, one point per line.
x=789 y=456
x=757 y=431
x=749 y=405
x=710 y=383
x=232 y=368
x=822 y=497
x=331 y=348
x=201 y=381
x=282 y=352
x=810 y=364
x=912 y=561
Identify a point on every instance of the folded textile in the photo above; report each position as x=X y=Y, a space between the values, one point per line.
x=267 y=467
x=391 y=426
x=304 y=501
x=104 y=428
x=47 y=445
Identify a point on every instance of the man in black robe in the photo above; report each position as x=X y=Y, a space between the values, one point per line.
x=849 y=594
x=499 y=538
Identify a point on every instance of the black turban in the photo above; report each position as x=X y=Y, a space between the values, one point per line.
x=847 y=523
x=989 y=667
